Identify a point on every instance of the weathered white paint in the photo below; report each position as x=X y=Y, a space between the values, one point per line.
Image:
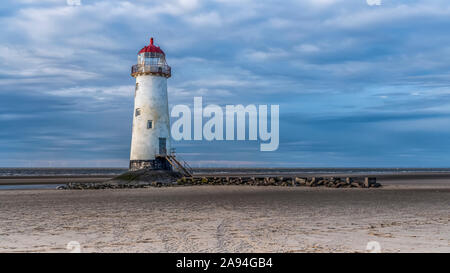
x=151 y=99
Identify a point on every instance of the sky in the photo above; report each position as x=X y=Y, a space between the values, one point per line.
x=360 y=83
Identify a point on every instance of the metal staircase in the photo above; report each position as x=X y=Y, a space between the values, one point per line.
x=180 y=165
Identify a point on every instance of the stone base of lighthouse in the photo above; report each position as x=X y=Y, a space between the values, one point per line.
x=146 y=177
x=160 y=163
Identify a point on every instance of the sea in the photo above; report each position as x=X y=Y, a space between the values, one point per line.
x=117 y=171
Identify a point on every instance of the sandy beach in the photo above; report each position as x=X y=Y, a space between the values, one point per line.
x=406 y=215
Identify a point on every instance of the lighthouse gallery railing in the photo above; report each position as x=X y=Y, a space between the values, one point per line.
x=162 y=69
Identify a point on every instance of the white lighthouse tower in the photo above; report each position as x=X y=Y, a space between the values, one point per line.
x=150 y=142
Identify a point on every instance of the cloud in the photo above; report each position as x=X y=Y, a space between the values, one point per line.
x=323 y=3
x=307 y=48
x=14 y=116
x=373 y=2
x=96 y=92
x=349 y=71
x=266 y=55
x=205 y=19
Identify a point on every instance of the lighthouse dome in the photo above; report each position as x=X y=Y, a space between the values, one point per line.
x=151 y=48
x=151 y=61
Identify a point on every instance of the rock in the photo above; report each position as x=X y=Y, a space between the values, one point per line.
x=321 y=182
x=293 y=184
x=375 y=185
x=196 y=180
x=368 y=181
x=337 y=180
x=300 y=180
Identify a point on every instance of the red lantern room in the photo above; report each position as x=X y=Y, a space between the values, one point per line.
x=151 y=61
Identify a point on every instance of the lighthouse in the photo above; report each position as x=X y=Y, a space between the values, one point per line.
x=150 y=143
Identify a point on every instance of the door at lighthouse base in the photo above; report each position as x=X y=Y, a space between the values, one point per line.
x=162 y=146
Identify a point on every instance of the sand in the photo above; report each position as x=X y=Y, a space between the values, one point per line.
x=402 y=217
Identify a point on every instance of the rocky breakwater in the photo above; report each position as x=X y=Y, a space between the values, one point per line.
x=148 y=178
x=330 y=182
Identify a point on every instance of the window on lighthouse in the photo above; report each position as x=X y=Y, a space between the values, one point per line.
x=138 y=112
x=153 y=61
x=150 y=124
x=151 y=58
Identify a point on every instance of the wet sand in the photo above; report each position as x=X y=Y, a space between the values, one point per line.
x=404 y=216
x=56 y=179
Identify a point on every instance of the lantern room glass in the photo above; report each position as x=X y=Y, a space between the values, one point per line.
x=152 y=59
